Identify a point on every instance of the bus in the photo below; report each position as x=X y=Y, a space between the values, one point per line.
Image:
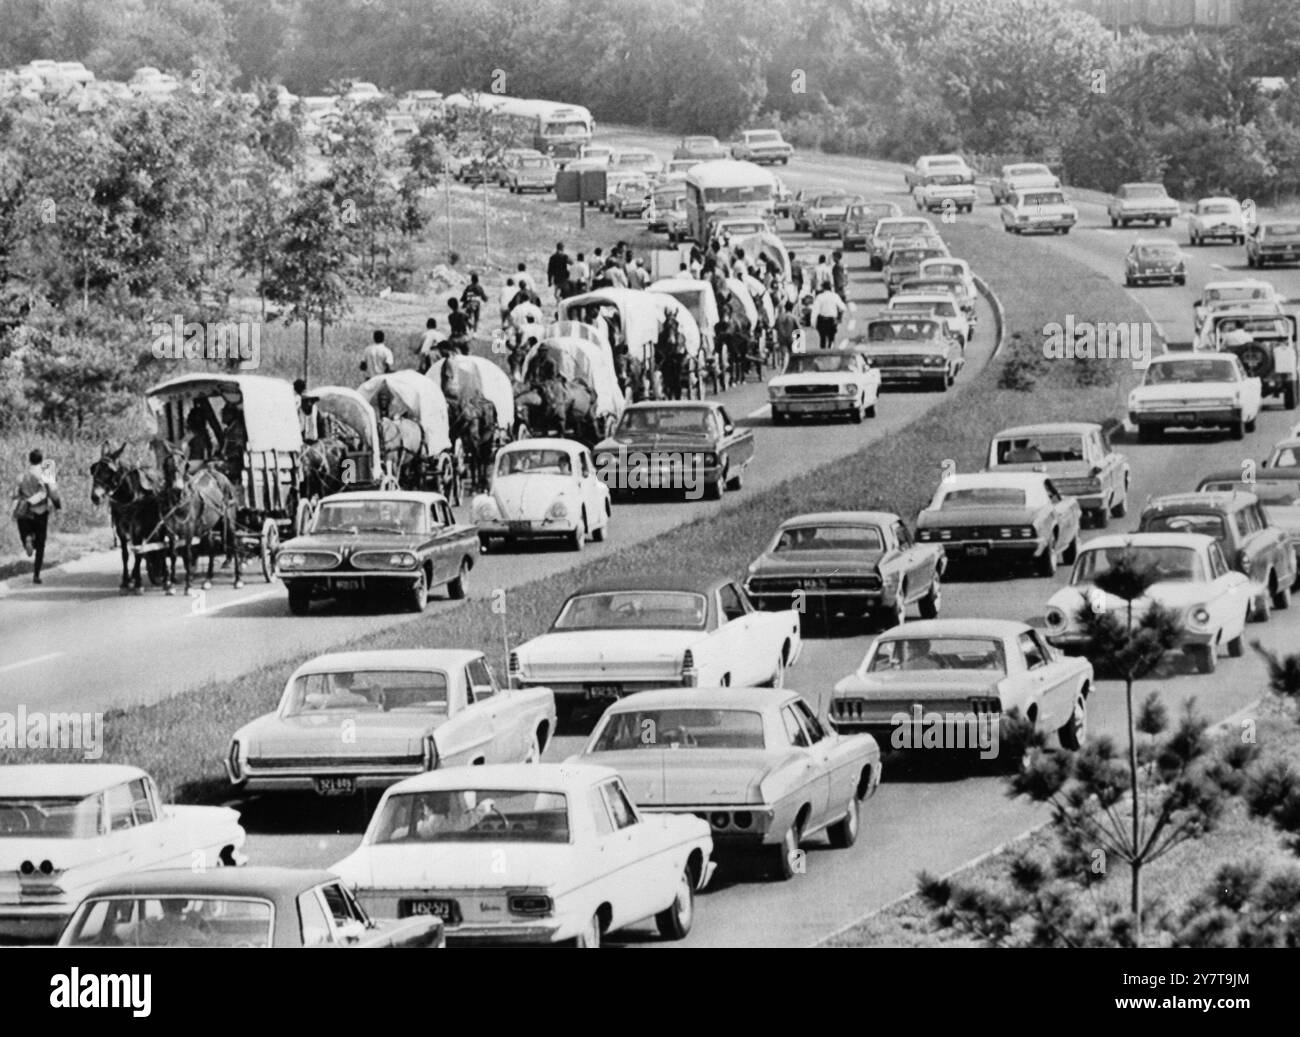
x=724 y=188
x=558 y=130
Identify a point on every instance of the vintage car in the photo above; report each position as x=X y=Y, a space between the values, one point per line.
x=1277 y=489
x=1037 y=210
x=1196 y=390
x=949 y=192
x=236 y=907
x=397 y=543
x=676 y=169
x=760 y=146
x=471 y=163
x=66 y=827
x=576 y=858
x=1221 y=295
x=961 y=673
x=1141 y=203
x=365 y=719
x=666 y=213
x=1264 y=342
x=1277 y=241
x=1250 y=543
x=1076 y=456
x=543 y=489
x=499 y=169
x=641 y=161
x=828 y=382
x=1195 y=583
x=756 y=764
x=613 y=638
x=943 y=284
x=823 y=215
x=680 y=445
x=1019 y=516
x=860 y=221
x=905 y=256
x=929 y=165
x=629 y=198
x=891 y=229
x=596 y=154
x=531 y=173
x=700 y=149
x=1153 y=260
x=941 y=305
x=1285 y=452
x=1022 y=176
x=733 y=227
x=947 y=266
x=1216 y=218
x=911 y=351
x=859 y=562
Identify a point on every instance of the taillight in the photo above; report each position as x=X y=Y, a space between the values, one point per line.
x=529 y=904
x=233 y=763
x=513 y=670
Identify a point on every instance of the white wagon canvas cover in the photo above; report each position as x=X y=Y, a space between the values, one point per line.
x=414 y=395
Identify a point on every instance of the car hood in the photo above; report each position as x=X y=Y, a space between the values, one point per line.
x=470 y=865
x=812 y=378
x=920 y=685
x=687 y=777
x=617 y=645
x=817 y=563
x=339 y=734
x=1171 y=594
x=931 y=519
x=348 y=543
x=529 y=496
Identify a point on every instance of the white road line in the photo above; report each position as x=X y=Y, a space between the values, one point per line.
x=207 y=610
x=1217 y=266
x=31 y=662
x=764 y=411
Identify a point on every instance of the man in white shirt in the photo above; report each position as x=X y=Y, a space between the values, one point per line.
x=34 y=496
x=827 y=311
x=377 y=358
x=581 y=273
x=822 y=277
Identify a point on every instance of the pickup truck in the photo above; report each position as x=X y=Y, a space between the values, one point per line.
x=1078 y=458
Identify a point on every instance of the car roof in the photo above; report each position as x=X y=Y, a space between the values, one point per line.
x=705 y=698
x=246 y=881
x=841 y=518
x=927 y=297
x=390 y=659
x=1198 y=541
x=1212 y=501
x=1081 y=428
x=1242 y=283
x=64 y=779
x=1021 y=480
x=543 y=443
x=959 y=628
x=1290 y=442
x=416 y=496
x=544 y=777
x=1216 y=198
x=693 y=583
x=1141 y=183
x=673 y=405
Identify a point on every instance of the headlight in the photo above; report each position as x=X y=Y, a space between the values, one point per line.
x=1199 y=616
x=485 y=509
x=710 y=459
x=1057 y=619
x=775 y=390
x=235 y=761
x=848 y=388
x=932 y=361
x=292 y=561
x=558 y=510
x=401 y=560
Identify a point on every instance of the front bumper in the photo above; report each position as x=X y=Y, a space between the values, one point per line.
x=1194 y=417
x=1079 y=640
x=837 y=404
x=1280 y=255
x=1156 y=276
x=329 y=584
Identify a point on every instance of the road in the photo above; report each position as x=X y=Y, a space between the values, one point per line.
x=923 y=817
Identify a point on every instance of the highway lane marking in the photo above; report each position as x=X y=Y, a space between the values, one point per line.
x=764 y=411
x=31 y=662
x=207 y=610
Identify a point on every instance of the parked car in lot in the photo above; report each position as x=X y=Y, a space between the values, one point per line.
x=1250 y=543
x=824 y=215
x=760 y=146
x=892 y=229
x=1212 y=219
x=1022 y=176
x=1218 y=295
x=579 y=860
x=700 y=149
x=860 y=221
x=366 y=719
x=1018 y=516
x=1277 y=489
x=1141 y=203
x=237 y=907
x=395 y=543
x=1076 y=456
x=911 y=351
x=942 y=305
x=613 y=638
x=1194 y=582
x=824 y=384
x=1277 y=241
x=1265 y=343
x=966 y=671
x=543 y=489
x=1152 y=260
x=950 y=192
x=531 y=173
x=757 y=765
x=1044 y=209
x=931 y=165
x=904 y=259
x=851 y=562
x=66 y=827
x=1195 y=390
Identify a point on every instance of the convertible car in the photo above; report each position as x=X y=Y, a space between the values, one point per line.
x=363 y=720
x=66 y=827
x=626 y=635
x=543 y=854
x=757 y=764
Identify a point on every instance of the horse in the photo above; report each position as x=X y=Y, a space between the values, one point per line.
x=552 y=405
x=472 y=416
x=402 y=448
x=192 y=508
x=630 y=373
x=131 y=492
x=322 y=463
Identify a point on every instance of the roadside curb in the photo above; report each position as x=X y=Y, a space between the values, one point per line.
x=999 y=314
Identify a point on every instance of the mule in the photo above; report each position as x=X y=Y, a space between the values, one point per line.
x=131 y=492
x=195 y=508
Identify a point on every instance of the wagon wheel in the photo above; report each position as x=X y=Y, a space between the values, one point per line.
x=269 y=547
x=305 y=515
x=449 y=478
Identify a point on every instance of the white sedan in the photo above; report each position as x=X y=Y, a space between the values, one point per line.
x=1216 y=218
x=1195 y=390
x=543 y=489
x=541 y=854
x=1039 y=209
x=832 y=381
x=1195 y=583
x=64 y=828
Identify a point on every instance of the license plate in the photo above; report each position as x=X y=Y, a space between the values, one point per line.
x=336 y=786
x=815 y=585
x=347 y=585
x=977 y=552
x=447 y=910
x=604 y=691
x=819 y=405
x=1185 y=417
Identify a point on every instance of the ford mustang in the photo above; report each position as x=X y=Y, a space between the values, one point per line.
x=757 y=765
x=829 y=382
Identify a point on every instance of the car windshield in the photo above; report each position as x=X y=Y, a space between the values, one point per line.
x=902 y=330
x=943 y=309
x=912 y=256
x=1044 y=198
x=1035 y=449
x=946 y=179
x=1281 y=230
x=982 y=497
x=1157 y=252
x=812 y=363
x=1260 y=327
x=472 y=815
x=565 y=129
x=871 y=212
x=764 y=137
x=933 y=284
x=1177 y=564
x=388 y=516
x=171 y=921
x=950 y=269
x=1145 y=191
x=1238 y=293
x=367 y=691
x=1281 y=493
x=833 y=201
x=1191 y=522
x=829 y=538
x=908 y=654
x=691 y=728
x=941 y=161
x=1218 y=208
x=667 y=421
x=633 y=610
x=534 y=462
x=1285 y=457
x=1190 y=372
x=49 y=817
x=530 y=162
x=634 y=158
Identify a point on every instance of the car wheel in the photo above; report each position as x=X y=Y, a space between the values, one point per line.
x=1238 y=429
x=1281 y=596
x=1206 y=657
x=459 y=587
x=1180 y=280
x=1101 y=517
x=784 y=855
x=534 y=754
x=870 y=412
x=1114 y=222
x=1130 y=282
x=844 y=833
x=714 y=490
x=299 y=601
x=1120 y=509
x=737 y=481
x=1250 y=425
x=590 y=937
x=1262 y=608
x=1046 y=563
x=600 y=532
x=1289 y=395
x=1074 y=732
x=859 y=412
x=778 y=417
x=419 y=594
x=674 y=921
x=777 y=680
x=1237 y=646
x=933 y=600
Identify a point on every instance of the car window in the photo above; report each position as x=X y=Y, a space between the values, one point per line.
x=810 y=722
x=340 y=907
x=1241 y=520
x=1258 y=517
x=1218 y=567
x=121 y=808
x=730 y=603
x=621 y=811
x=317 y=929
x=600 y=813
x=479 y=681
x=141 y=804
x=793 y=729
x=1032 y=652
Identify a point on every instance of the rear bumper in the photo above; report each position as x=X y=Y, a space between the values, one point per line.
x=342 y=583
x=304 y=780
x=1208 y=417
x=960 y=550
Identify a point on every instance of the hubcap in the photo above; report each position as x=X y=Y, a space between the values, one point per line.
x=684 y=905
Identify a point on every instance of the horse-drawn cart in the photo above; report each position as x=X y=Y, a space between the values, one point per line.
x=343 y=451
x=415 y=432
x=698 y=299
x=470 y=384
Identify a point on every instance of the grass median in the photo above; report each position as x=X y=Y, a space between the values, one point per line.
x=182 y=739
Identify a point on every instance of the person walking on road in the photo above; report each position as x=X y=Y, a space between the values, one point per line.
x=787 y=327
x=557 y=270
x=428 y=346
x=35 y=495
x=377 y=358
x=827 y=311
x=472 y=300
x=507 y=299
x=822 y=275
x=580 y=274
x=839 y=276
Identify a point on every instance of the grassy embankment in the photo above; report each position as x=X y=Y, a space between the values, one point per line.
x=181 y=740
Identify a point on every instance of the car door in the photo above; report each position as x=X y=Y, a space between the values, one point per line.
x=1049 y=683
x=436 y=543
x=1277 y=548
x=631 y=850
x=837 y=755
x=734 y=637
x=1067 y=515
x=815 y=786
x=737 y=443
x=1252 y=549
x=1230 y=593
x=911 y=561
x=490 y=728
x=592 y=490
